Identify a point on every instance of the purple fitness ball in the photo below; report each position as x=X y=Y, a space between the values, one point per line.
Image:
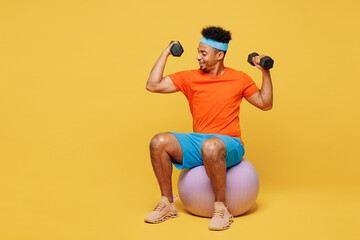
x=197 y=195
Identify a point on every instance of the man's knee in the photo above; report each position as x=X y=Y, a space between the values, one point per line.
x=166 y=142
x=213 y=148
x=159 y=141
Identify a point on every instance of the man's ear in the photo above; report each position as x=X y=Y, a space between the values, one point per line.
x=220 y=55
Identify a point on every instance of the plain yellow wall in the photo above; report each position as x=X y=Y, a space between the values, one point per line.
x=76 y=119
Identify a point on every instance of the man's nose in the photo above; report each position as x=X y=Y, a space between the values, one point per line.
x=198 y=57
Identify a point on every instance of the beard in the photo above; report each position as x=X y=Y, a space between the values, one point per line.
x=203 y=67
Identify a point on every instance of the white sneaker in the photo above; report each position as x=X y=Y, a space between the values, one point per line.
x=221 y=219
x=164 y=210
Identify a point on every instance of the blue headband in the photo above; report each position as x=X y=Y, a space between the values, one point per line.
x=214 y=44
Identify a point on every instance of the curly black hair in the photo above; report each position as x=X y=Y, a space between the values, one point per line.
x=216 y=33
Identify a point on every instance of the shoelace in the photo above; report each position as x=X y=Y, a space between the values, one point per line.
x=219 y=213
x=160 y=206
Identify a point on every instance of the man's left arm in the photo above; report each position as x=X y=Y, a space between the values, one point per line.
x=263 y=98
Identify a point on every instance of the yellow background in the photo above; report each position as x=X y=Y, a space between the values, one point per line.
x=76 y=119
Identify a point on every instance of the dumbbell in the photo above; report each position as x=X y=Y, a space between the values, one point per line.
x=265 y=62
x=176 y=49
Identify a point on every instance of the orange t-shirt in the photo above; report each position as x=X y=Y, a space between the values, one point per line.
x=215 y=100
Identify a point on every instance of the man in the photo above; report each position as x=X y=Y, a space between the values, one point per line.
x=214 y=93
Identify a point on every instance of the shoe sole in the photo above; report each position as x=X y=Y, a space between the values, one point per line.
x=224 y=227
x=164 y=217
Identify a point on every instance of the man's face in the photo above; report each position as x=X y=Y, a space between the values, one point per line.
x=207 y=57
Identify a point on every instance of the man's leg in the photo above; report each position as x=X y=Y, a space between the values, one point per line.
x=165 y=148
x=213 y=152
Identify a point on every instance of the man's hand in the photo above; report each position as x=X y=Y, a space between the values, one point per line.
x=167 y=50
x=256 y=61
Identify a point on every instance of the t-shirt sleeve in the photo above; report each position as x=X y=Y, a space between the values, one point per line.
x=180 y=80
x=249 y=86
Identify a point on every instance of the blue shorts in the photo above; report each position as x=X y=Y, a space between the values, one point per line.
x=191 y=146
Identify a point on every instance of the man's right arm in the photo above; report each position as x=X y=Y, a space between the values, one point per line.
x=156 y=82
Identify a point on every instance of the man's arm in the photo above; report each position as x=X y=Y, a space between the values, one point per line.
x=263 y=98
x=156 y=82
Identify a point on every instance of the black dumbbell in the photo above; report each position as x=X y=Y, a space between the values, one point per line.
x=265 y=62
x=176 y=49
